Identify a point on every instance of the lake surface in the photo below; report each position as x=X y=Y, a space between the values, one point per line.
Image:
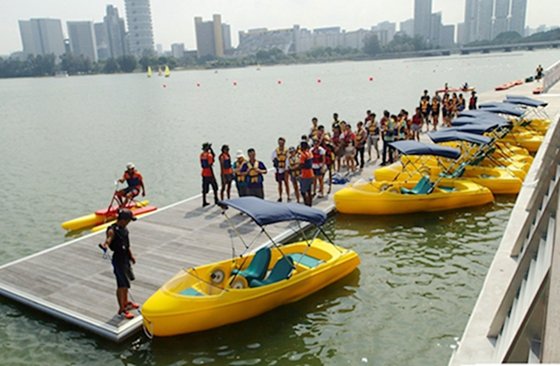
x=64 y=141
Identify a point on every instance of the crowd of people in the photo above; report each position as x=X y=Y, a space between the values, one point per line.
x=302 y=168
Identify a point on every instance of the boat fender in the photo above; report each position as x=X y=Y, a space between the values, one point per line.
x=217 y=276
x=239 y=283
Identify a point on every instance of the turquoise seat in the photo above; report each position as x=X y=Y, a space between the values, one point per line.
x=190 y=292
x=305 y=260
x=459 y=171
x=423 y=186
x=281 y=271
x=258 y=266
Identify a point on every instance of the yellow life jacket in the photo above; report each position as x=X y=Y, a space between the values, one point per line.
x=294 y=166
x=281 y=156
x=253 y=176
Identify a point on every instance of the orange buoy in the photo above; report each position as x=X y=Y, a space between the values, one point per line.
x=279 y=82
x=371 y=78
x=318 y=81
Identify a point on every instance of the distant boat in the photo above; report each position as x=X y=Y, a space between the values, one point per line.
x=149 y=72
x=159 y=71
x=61 y=74
x=258 y=67
x=167 y=71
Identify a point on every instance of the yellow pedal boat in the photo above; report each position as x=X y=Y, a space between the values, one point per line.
x=388 y=198
x=231 y=291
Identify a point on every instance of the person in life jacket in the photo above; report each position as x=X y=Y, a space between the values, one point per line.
x=208 y=179
x=307 y=177
x=436 y=107
x=279 y=160
x=135 y=183
x=253 y=171
x=461 y=104
x=238 y=176
x=372 y=127
x=314 y=128
x=389 y=134
x=294 y=170
x=473 y=101
x=360 y=140
x=425 y=109
x=226 y=172
x=318 y=166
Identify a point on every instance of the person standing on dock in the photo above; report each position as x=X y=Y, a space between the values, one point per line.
x=135 y=183
x=540 y=72
x=279 y=158
x=372 y=126
x=425 y=109
x=307 y=177
x=117 y=240
x=253 y=170
x=226 y=172
x=239 y=177
x=208 y=179
x=416 y=125
x=436 y=104
x=388 y=133
x=360 y=140
x=294 y=170
x=473 y=101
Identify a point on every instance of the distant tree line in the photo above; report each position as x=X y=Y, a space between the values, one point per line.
x=514 y=37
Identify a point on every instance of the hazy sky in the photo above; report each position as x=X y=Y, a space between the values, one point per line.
x=173 y=19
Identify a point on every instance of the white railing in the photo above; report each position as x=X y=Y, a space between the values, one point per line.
x=551 y=76
x=497 y=330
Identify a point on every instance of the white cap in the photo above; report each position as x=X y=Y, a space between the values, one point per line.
x=130 y=166
x=239 y=154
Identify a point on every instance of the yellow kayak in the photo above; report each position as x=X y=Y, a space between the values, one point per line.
x=104 y=216
x=214 y=295
x=498 y=180
x=398 y=197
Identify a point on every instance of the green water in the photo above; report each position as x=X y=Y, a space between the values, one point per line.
x=64 y=141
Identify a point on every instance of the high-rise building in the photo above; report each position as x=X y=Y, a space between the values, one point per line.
x=485 y=12
x=407 y=27
x=101 y=41
x=501 y=13
x=82 y=39
x=42 y=37
x=447 y=36
x=178 y=50
x=140 y=31
x=518 y=16
x=213 y=37
x=471 y=21
x=385 y=32
x=116 y=32
x=435 y=29
x=423 y=18
x=461 y=34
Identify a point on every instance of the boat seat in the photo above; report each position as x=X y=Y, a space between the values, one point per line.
x=447 y=189
x=258 y=266
x=305 y=260
x=459 y=171
x=422 y=187
x=281 y=271
x=190 y=292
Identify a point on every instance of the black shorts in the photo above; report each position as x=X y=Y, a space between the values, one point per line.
x=227 y=179
x=255 y=192
x=207 y=182
x=119 y=270
x=281 y=177
x=134 y=190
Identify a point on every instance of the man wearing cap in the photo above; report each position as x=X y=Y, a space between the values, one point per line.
x=135 y=183
x=279 y=160
x=208 y=178
x=117 y=240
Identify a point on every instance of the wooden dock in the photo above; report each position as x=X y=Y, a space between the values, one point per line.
x=74 y=283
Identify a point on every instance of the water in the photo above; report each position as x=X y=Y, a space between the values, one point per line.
x=64 y=141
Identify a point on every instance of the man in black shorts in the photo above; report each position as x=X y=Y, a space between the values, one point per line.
x=117 y=240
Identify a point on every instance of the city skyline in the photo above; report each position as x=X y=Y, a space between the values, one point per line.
x=172 y=20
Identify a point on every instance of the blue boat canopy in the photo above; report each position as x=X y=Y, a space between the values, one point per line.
x=482 y=113
x=503 y=108
x=446 y=136
x=265 y=212
x=466 y=121
x=408 y=147
x=476 y=128
x=526 y=101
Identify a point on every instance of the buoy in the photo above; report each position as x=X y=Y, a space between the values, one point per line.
x=165 y=86
x=235 y=83
x=371 y=78
x=318 y=81
x=279 y=82
x=198 y=85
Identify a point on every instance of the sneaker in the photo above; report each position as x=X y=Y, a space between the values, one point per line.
x=279 y=199
x=132 y=305
x=204 y=204
x=125 y=314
